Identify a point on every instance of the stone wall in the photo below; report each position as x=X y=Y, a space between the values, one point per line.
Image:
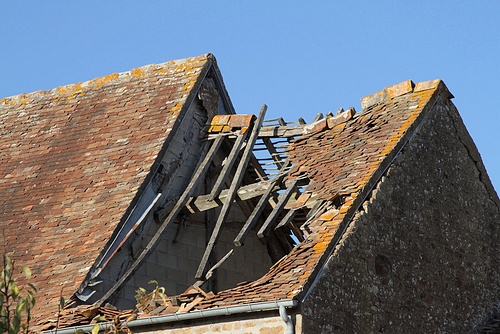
x=261 y=323
x=422 y=255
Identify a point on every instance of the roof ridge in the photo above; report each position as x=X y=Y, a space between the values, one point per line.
x=402 y=88
x=75 y=89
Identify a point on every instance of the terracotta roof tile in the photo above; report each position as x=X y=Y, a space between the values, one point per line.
x=72 y=160
x=340 y=159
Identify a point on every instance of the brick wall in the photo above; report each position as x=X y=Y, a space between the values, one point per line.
x=422 y=255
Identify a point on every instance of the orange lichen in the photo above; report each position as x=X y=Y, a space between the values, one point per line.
x=100 y=82
x=137 y=73
x=320 y=247
x=177 y=107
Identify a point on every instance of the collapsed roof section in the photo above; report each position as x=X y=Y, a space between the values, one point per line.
x=87 y=167
x=323 y=173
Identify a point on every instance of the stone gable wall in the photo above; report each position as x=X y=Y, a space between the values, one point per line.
x=422 y=254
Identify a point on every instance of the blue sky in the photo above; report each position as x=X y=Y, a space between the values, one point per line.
x=298 y=58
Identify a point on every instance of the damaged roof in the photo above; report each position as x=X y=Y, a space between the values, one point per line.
x=73 y=160
x=342 y=156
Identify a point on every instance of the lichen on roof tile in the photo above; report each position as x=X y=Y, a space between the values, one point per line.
x=341 y=161
x=72 y=160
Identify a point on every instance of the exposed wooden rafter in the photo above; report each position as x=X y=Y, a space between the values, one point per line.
x=198 y=176
x=277 y=209
x=259 y=208
x=247 y=153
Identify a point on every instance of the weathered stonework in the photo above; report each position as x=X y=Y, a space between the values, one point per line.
x=420 y=254
x=264 y=324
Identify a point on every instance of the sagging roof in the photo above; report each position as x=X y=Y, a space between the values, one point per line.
x=73 y=160
x=341 y=157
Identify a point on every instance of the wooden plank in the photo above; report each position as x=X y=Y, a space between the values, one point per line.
x=210 y=272
x=274 y=154
x=287 y=219
x=203 y=202
x=281 y=131
x=286 y=131
x=238 y=176
x=277 y=209
x=254 y=217
x=198 y=176
x=233 y=155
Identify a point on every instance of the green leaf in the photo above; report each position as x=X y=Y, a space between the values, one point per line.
x=15 y=291
x=20 y=305
x=27 y=272
x=99 y=319
x=62 y=302
x=95 y=329
x=8 y=264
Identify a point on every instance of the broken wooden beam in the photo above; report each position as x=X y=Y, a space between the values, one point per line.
x=210 y=272
x=231 y=159
x=287 y=219
x=259 y=208
x=203 y=203
x=199 y=174
x=277 y=209
x=235 y=184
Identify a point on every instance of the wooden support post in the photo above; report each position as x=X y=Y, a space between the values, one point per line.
x=233 y=155
x=199 y=174
x=277 y=209
x=238 y=176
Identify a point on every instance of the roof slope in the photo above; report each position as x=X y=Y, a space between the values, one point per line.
x=72 y=160
x=343 y=157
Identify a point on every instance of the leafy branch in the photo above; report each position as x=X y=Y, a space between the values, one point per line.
x=15 y=307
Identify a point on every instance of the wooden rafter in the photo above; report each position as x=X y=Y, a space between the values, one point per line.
x=240 y=171
x=277 y=209
x=259 y=208
x=274 y=153
x=231 y=159
x=199 y=174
